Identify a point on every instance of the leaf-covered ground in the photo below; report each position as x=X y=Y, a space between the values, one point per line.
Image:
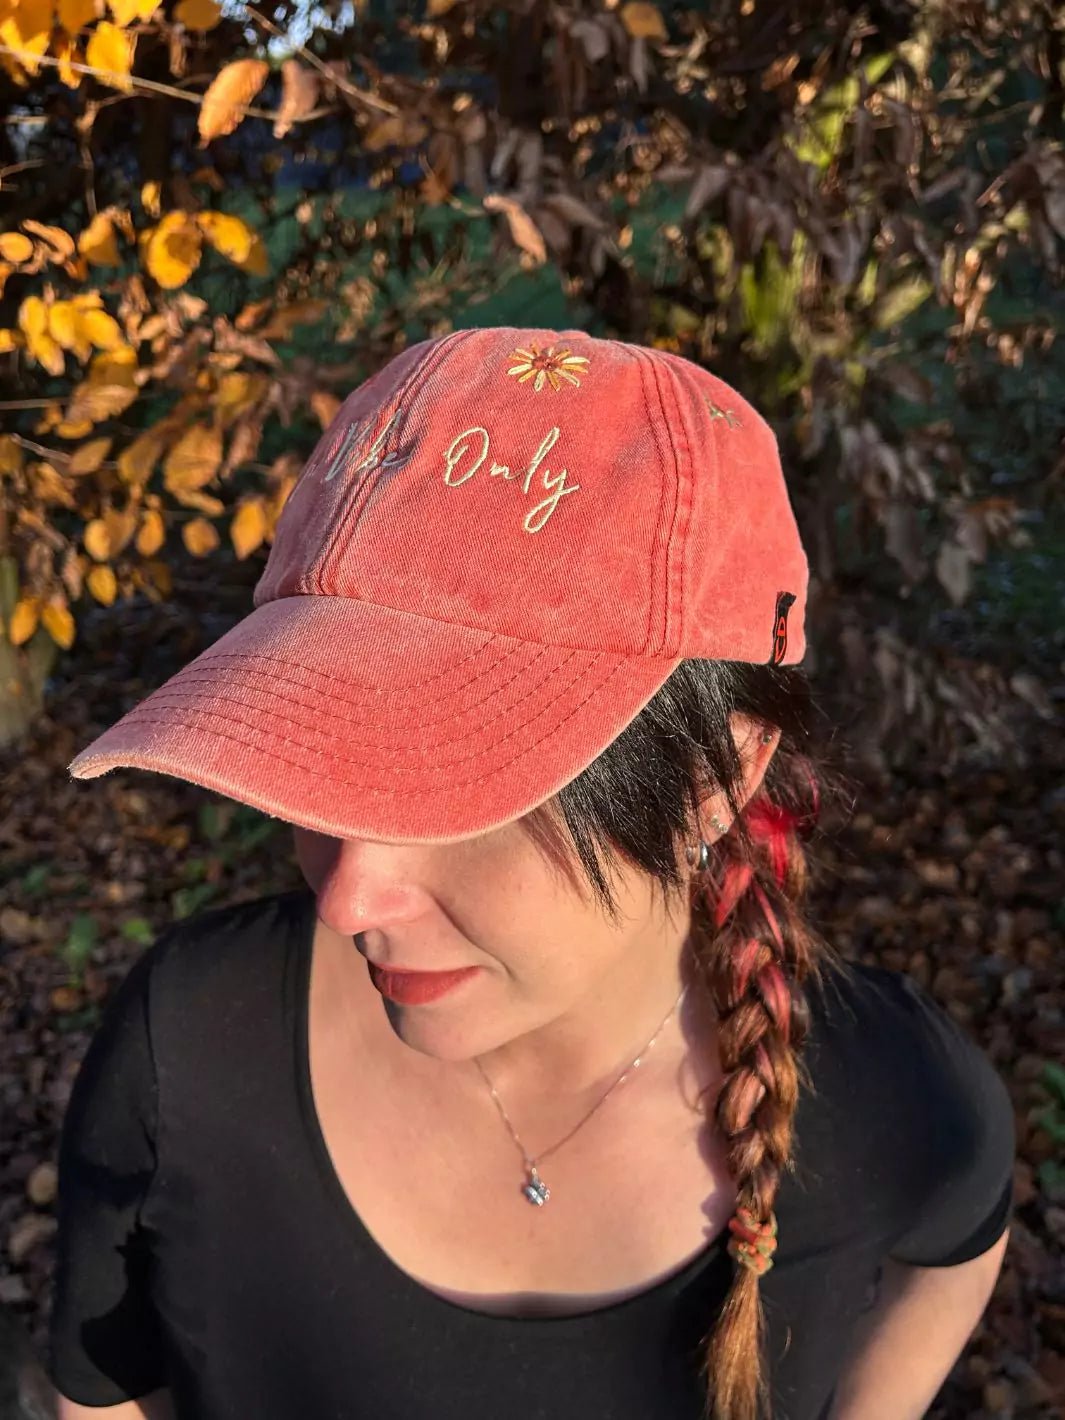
x=957 y=879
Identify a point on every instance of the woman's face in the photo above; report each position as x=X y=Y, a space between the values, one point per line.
x=554 y=968
x=501 y=903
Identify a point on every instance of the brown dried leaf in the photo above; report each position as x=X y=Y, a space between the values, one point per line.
x=523 y=229
x=299 y=95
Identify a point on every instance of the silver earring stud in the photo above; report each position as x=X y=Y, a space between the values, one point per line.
x=704 y=857
x=768 y=737
x=717 y=825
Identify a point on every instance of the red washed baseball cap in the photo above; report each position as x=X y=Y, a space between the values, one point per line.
x=502 y=546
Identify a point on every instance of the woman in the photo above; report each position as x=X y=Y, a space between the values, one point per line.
x=542 y=1100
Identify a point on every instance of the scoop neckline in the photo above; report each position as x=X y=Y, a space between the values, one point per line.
x=665 y=1288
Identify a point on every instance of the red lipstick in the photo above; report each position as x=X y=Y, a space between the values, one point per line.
x=415 y=988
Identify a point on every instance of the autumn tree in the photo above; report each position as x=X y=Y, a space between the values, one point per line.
x=216 y=221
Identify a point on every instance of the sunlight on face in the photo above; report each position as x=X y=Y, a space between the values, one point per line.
x=498 y=901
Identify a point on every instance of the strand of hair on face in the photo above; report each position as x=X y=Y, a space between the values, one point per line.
x=754 y=958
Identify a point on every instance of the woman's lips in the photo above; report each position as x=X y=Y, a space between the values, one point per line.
x=415 y=988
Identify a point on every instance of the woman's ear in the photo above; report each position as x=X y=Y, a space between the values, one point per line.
x=756 y=747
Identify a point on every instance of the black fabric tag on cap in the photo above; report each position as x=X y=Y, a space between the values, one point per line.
x=785 y=602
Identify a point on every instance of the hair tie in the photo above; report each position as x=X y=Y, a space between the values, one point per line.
x=753 y=1243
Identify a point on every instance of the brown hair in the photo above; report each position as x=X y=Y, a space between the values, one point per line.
x=754 y=953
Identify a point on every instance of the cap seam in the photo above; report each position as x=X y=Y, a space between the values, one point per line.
x=665 y=452
x=627 y=653
x=436 y=351
x=686 y=486
x=393 y=770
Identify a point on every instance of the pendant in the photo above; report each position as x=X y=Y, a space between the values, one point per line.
x=536 y=1190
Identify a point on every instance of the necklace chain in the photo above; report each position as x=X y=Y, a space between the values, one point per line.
x=535 y=1189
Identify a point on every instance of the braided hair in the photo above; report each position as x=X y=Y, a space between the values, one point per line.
x=753 y=953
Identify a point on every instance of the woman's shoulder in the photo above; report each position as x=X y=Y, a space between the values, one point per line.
x=906 y=1092
x=194 y=952
x=212 y=980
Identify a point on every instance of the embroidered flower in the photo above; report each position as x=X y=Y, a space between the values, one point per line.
x=550 y=364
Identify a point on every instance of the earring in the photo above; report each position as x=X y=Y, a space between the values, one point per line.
x=717 y=825
x=768 y=737
x=704 y=856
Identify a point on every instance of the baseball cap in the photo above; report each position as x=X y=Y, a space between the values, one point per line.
x=501 y=547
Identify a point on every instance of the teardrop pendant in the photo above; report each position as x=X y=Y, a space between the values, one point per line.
x=536 y=1190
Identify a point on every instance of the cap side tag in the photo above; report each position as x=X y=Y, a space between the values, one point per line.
x=785 y=602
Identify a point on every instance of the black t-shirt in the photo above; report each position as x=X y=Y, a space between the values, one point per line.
x=205 y=1241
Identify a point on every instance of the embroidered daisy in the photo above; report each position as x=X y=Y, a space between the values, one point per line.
x=550 y=364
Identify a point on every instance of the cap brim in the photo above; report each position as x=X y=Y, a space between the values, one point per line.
x=361 y=721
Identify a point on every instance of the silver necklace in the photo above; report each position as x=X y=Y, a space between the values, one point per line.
x=534 y=1188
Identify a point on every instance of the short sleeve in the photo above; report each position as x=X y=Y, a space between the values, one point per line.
x=968 y=1139
x=104 y=1343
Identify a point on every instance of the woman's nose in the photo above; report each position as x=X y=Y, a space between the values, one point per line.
x=364 y=885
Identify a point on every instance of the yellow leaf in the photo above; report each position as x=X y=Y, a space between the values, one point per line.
x=73 y=14
x=59 y=624
x=76 y=430
x=103 y=584
x=89 y=457
x=98 y=244
x=97 y=540
x=126 y=11
x=159 y=575
x=194 y=459
x=67 y=53
x=50 y=486
x=98 y=398
x=231 y=90
x=172 y=250
x=151 y=195
x=238 y=391
x=137 y=460
x=59 y=241
x=643 y=21
x=33 y=322
x=10 y=455
x=200 y=537
x=111 y=51
x=248 y=528
x=120 y=527
x=198 y=14
x=202 y=502
x=66 y=327
x=10 y=340
x=15 y=247
x=29 y=29
x=439 y=7
x=257 y=262
x=23 y=621
x=103 y=330
x=152 y=533
x=115 y=367
x=228 y=235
